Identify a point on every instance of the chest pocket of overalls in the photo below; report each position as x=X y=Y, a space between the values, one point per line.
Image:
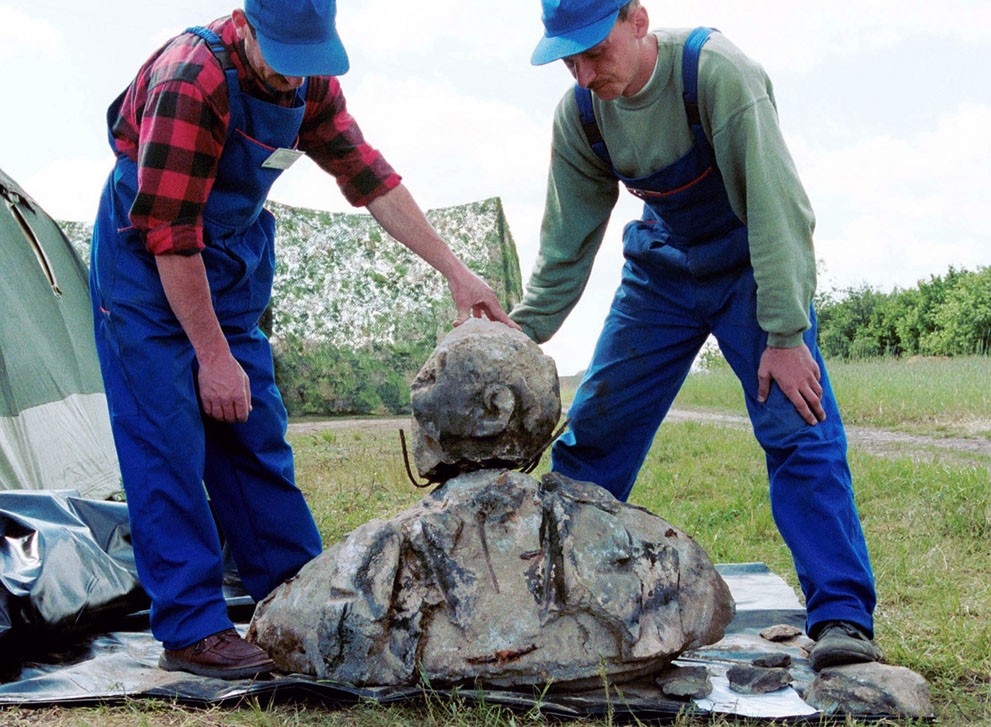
x=688 y=224
x=239 y=232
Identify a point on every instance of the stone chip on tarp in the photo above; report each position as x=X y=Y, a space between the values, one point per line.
x=685 y=682
x=747 y=679
x=499 y=578
x=773 y=661
x=486 y=397
x=780 y=632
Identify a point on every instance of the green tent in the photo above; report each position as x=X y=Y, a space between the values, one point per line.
x=54 y=426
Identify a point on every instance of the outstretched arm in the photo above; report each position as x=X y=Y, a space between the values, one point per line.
x=401 y=217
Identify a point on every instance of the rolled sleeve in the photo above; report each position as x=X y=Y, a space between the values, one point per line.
x=175 y=239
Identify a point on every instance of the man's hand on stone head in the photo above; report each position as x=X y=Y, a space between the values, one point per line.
x=474 y=299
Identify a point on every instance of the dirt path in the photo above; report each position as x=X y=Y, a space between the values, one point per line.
x=879 y=442
x=351 y=424
x=875 y=441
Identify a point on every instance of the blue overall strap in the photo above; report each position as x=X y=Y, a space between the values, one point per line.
x=215 y=45
x=223 y=57
x=690 y=84
x=690 y=75
x=587 y=115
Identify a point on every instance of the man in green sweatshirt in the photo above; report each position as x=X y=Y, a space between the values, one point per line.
x=688 y=123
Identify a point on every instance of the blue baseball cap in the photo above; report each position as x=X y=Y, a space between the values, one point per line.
x=574 y=26
x=298 y=37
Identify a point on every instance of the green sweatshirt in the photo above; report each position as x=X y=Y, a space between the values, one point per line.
x=649 y=131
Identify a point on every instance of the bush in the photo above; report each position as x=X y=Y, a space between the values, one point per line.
x=944 y=316
x=320 y=379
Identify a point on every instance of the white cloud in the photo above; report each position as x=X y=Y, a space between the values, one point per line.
x=466 y=145
x=893 y=210
x=399 y=27
x=21 y=33
x=796 y=36
x=69 y=189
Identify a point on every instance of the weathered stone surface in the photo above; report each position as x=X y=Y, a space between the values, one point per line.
x=685 y=682
x=486 y=397
x=499 y=578
x=747 y=679
x=780 y=632
x=875 y=689
x=773 y=661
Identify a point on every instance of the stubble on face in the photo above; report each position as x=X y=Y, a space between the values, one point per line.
x=266 y=74
x=621 y=64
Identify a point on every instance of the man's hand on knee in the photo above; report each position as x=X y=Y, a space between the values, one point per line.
x=797 y=375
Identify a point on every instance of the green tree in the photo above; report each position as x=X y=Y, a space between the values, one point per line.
x=856 y=326
x=963 y=319
x=945 y=315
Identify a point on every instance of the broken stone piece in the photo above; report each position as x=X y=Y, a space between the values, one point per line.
x=487 y=397
x=685 y=682
x=746 y=679
x=499 y=578
x=780 y=632
x=773 y=661
x=871 y=689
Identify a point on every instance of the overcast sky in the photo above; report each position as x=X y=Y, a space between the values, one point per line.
x=886 y=106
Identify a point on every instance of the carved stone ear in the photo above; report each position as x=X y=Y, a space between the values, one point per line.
x=499 y=403
x=487 y=397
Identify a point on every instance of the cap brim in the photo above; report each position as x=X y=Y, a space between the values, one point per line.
x=556 y=47
x=305 y=59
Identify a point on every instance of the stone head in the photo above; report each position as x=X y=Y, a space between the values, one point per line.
x=486 y=397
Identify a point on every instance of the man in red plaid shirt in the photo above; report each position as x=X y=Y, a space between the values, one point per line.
x=181 y=271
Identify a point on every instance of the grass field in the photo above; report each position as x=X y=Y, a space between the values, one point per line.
x=933 y=396
x=928 y=525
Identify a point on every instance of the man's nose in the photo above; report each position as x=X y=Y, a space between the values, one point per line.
x=584 y=72
x=294 y=81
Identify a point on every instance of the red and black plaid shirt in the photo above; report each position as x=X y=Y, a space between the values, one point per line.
x=173 y=122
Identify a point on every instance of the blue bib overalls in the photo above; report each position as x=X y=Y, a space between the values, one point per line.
x=687 y=274
x=168 y=449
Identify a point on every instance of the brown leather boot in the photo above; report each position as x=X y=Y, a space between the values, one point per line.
x=224 y=655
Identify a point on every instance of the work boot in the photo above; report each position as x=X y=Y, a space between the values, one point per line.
x=224 y=655
x=842 y=642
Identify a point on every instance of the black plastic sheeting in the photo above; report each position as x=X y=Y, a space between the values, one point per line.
x=74 y=631
x=67 y=571
x=66 y=566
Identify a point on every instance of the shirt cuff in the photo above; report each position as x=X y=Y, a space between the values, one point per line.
x=784 y=340
x=175 y=240
x=387 y=184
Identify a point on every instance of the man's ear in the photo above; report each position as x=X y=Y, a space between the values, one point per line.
x=240 y=22
x=641 y=22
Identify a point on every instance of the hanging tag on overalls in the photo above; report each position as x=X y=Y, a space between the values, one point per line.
x=282 y=158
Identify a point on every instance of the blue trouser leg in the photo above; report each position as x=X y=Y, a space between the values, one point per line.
x=167 y=450
x=163 y=441
x=158 y=433
x=249 y=475
x=154 y=415
x=651 y=335
x=641 y=359
x=811 y=487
